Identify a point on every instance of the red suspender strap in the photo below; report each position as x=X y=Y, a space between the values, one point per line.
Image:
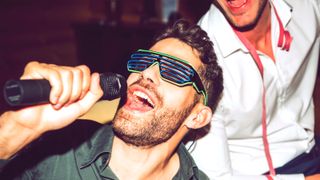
x=269 y=177
x=285 y=38
x=258 y=62
x=284 y=43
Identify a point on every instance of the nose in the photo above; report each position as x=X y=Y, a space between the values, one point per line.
x=152 y=74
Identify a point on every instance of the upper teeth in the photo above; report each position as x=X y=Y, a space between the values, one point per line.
x=144 y=96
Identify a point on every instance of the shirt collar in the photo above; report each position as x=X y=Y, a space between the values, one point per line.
x=188 y=167
x=100 y=143
x=99 y=147
x=223 y=33
x=284 y=11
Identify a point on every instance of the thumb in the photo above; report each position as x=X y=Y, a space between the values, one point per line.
x=95 y=87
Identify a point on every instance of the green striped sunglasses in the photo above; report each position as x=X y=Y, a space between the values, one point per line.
x=172 y=69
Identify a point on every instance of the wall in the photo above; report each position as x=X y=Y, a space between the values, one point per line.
x=38 y=30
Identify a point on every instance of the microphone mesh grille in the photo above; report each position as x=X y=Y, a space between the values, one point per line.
x=113 y=85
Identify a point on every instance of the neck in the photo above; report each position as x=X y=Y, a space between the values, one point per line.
x=260 y=35
x=156 y=162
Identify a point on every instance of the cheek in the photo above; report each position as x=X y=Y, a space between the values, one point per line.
x=177 y=96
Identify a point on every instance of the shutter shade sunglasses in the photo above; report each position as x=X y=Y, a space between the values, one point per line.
x=172 y=69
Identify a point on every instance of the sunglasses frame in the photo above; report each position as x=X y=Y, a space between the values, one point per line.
x=195 y=80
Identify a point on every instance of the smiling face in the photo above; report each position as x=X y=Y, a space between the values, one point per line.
x=242 y=14
x=155 y=108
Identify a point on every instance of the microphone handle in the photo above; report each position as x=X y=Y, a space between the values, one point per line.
x=26 y=92
x=32 y=92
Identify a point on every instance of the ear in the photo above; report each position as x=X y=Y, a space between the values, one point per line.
x=199 y=117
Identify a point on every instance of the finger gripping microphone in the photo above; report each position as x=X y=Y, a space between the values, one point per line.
x=33 y=92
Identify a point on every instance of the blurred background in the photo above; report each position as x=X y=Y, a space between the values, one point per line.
x=98 y=33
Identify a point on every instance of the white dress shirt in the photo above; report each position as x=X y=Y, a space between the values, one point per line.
x=233 y=148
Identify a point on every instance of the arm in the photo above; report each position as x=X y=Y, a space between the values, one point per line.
x=74 y=90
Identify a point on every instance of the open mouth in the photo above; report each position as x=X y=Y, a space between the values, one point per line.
x=236 y=3
x=139 y=100
x=143 y=99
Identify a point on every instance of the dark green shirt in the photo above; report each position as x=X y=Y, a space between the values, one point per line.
x=80 y=151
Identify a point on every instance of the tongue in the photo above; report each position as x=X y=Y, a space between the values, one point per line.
x=236 y=3
x=138 y=105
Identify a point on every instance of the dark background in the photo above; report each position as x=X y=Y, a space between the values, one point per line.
x=73 y=32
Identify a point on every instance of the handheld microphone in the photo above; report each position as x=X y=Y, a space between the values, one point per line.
x=33 y=92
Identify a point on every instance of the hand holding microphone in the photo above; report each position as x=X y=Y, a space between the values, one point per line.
x=51 y=97
x=37 y=91
x=33 y=92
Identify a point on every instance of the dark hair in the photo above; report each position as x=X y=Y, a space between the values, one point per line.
x=210 y=73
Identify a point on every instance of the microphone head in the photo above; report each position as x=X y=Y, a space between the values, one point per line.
x=113 y=85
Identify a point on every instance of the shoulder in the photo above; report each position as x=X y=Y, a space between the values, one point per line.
x=306 y=14
x=188 y=168
x=295 y=2
x=51 y=148
x=205 y=20
x=301 y=6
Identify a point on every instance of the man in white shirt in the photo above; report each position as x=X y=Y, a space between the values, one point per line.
x=269 y=52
